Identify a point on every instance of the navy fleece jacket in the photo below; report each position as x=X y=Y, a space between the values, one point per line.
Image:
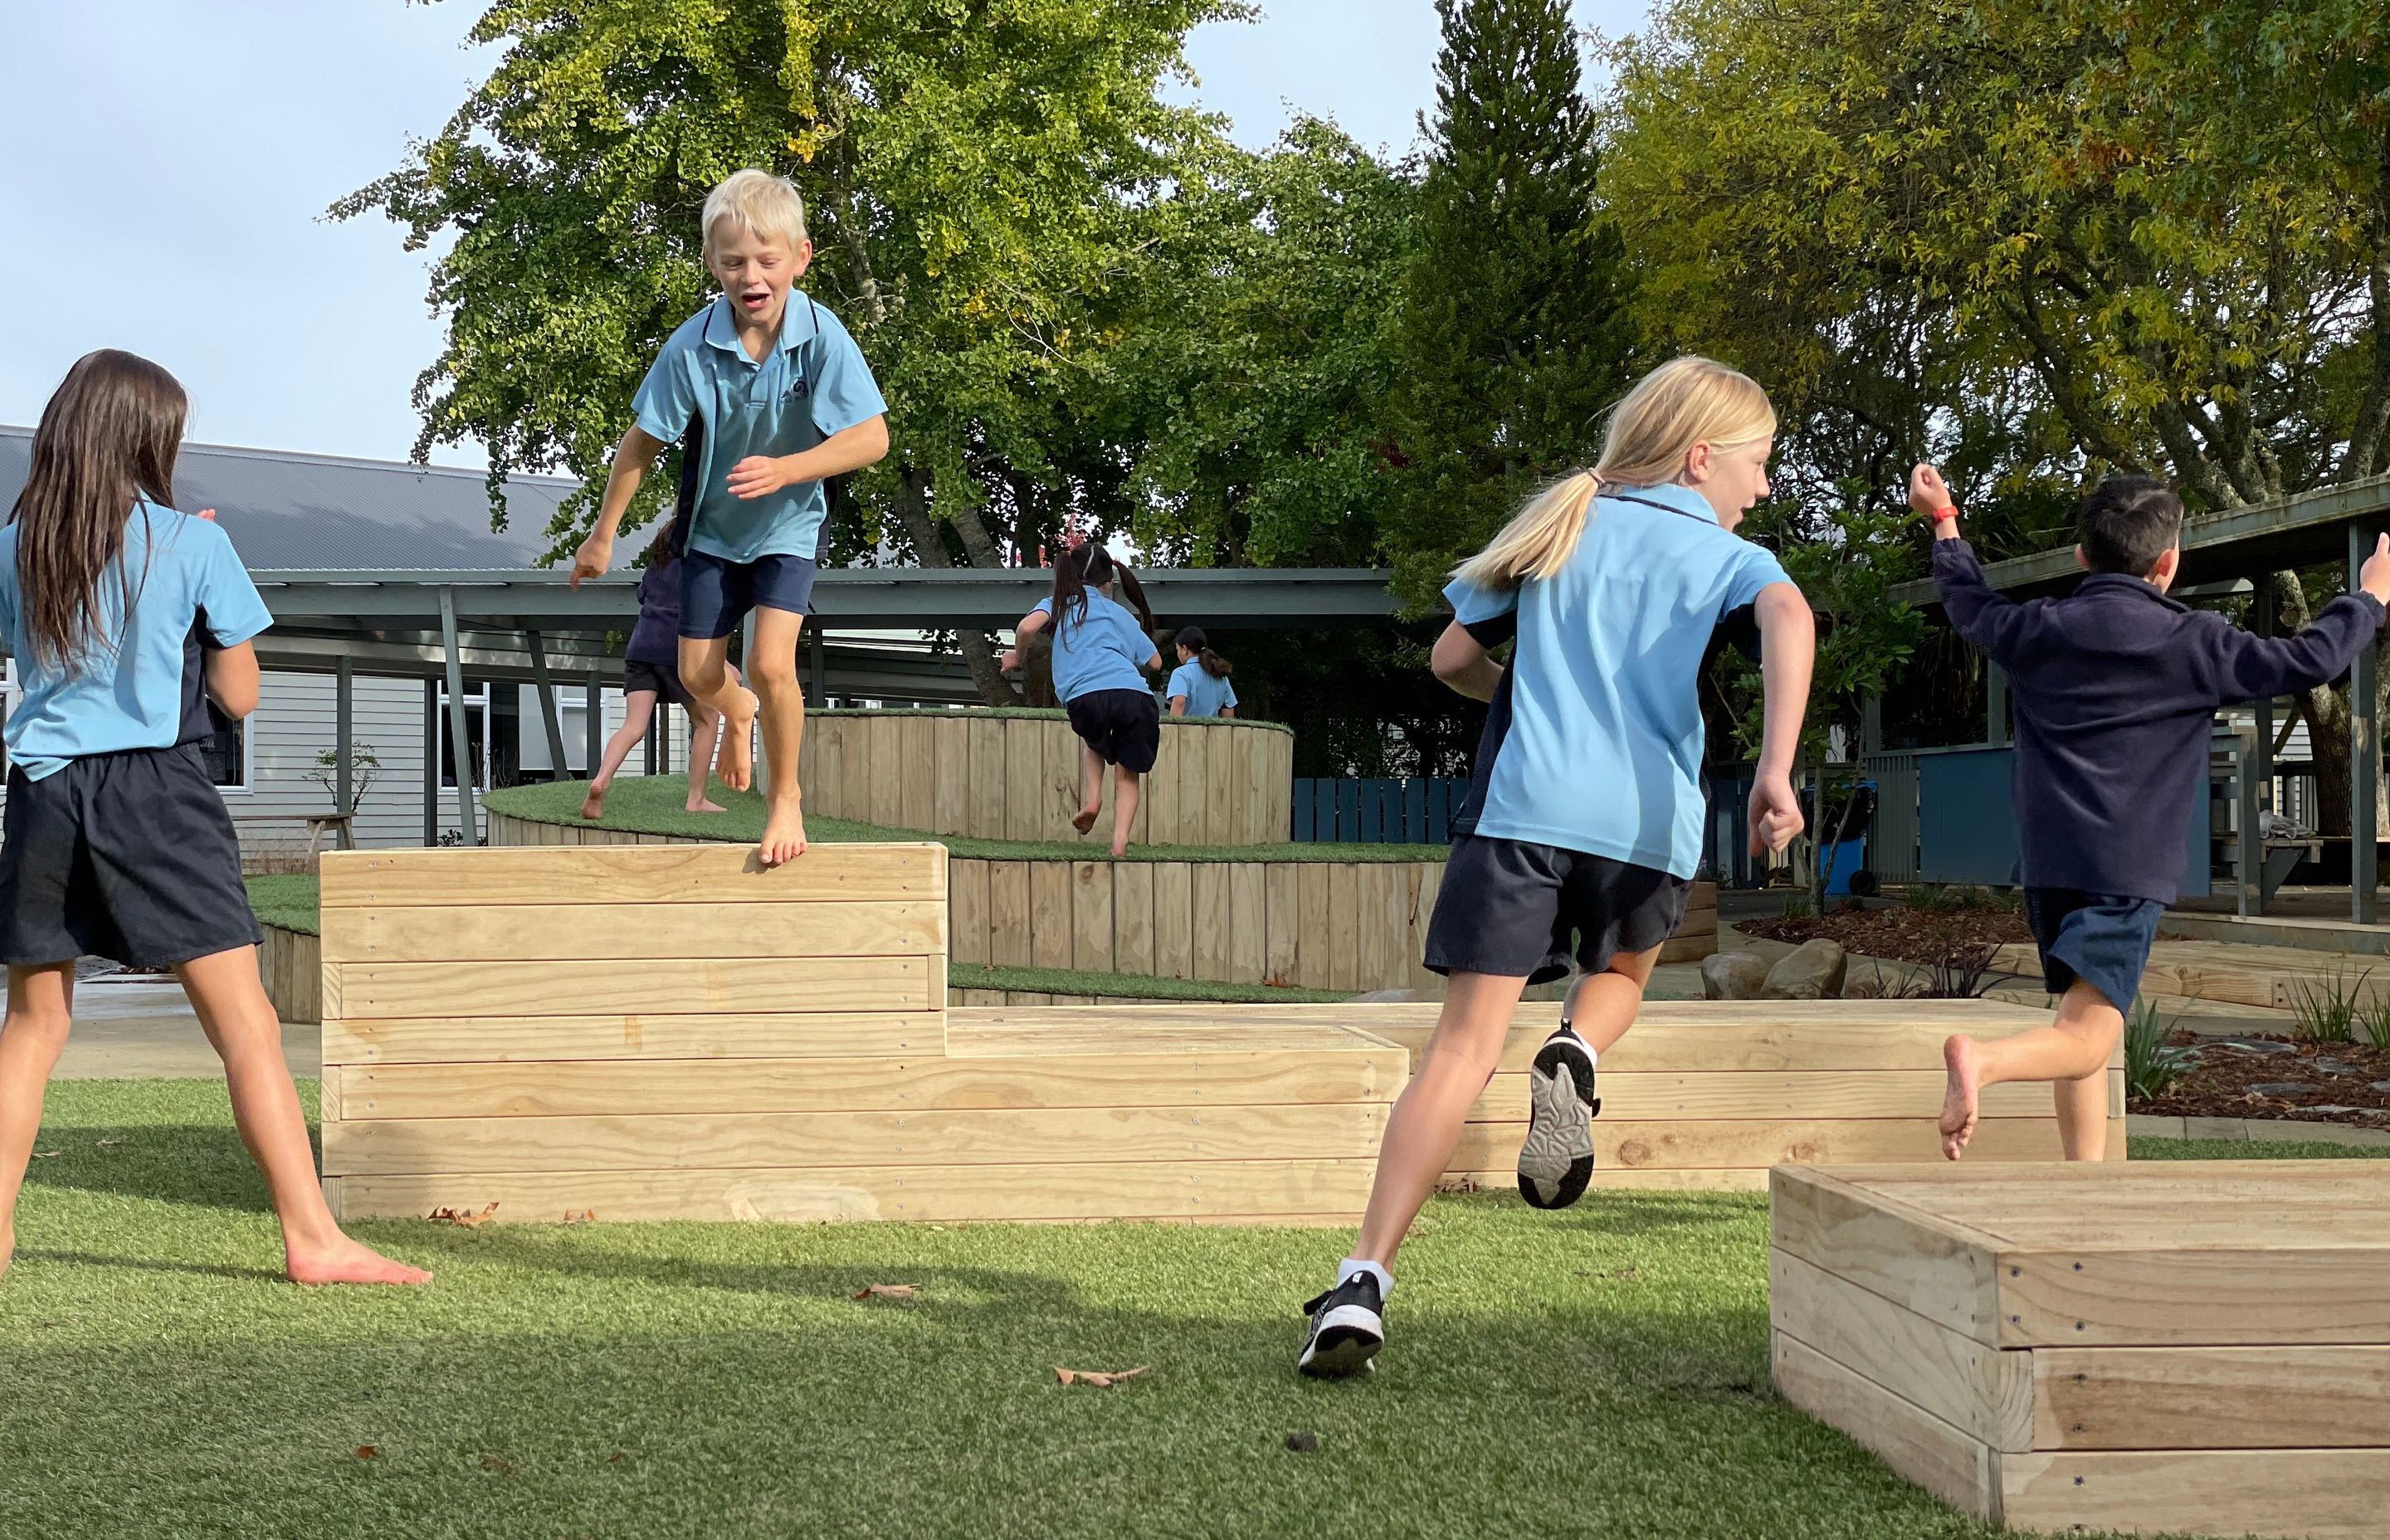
x=2116 y=688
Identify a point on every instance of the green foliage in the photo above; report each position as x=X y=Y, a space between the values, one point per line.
x=1933 y=898
x=2372 y=1020
x=2150 y=1063
x=1514 y=334
x=2325 y=1009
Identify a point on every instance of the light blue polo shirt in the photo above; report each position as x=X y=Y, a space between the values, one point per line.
x=813 y=385
x=142 y=690
x=1205 y=695
x=1105 y=650
x=1602 y=748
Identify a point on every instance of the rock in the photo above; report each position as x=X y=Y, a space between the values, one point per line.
x=2382 y=1085
x=2258 y=1044
x=2330 y=1067
x=2285 y=1088
x=2334 y=1109
x=1812 y=971
x=1733 y=976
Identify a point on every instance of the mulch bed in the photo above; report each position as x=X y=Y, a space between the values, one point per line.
x=1910 y=935
x=2274 y=1077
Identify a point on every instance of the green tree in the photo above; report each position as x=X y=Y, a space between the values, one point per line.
x=1515 y=332
x=2134 y=234
x=979 y=174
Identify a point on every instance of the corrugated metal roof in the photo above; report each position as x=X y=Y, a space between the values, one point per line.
x=285 y=510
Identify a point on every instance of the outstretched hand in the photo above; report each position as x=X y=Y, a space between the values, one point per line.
x=2374 y=576
x=1776 y=818
x=1929 y=495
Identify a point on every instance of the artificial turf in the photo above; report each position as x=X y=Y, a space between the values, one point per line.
x=655 y=804
x=1600 y=1371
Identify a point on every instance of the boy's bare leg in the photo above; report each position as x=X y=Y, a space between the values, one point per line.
x=700 y=759
x=638 y=707
x=2076 y=1046
x=1426 y=1124
x=773 y=672
x=706 y=672
x=241 y=1026
x=1126 y=795
x=1603 y=1006
x=41 y=1009
x=1091 y=801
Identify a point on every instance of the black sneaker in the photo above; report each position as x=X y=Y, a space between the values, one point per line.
x=1347 y=1329
x=1557 y=1161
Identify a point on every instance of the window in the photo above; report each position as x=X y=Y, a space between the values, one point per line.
x=477 y=738
x=226 y=754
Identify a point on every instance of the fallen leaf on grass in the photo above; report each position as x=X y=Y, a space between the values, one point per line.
x=46 y=1154
x=617 y=1457
x=366 y=1451
x=470 y=1220
x=1624 y=1274
x=889 y=1291
x=575 y=1217
x=1103 y=1379
x=492 y=1462
x=1302 y=1443
x=107 y=1144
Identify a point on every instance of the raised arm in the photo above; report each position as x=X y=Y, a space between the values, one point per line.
x=1986 y=618
x=1787 y=652
x=634 y=457
x=1029 y=625
x=2247 y=667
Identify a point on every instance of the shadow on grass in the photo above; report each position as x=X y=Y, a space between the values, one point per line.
x=195 y=1163
x=38 y=1256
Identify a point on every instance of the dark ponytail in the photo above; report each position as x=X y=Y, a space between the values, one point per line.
x=1194 y=641
x=110 y=435
x=1088 y=566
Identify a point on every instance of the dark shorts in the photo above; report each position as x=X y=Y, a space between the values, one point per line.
x=1125 y=726
x=1515 y=909
x=662 y=678
x=2103 y=940
x=128 y=856
x=715 y=594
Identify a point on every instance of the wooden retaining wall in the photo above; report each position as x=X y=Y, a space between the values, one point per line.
x=1015 y=777
x=1348 y=925
x=291 y=963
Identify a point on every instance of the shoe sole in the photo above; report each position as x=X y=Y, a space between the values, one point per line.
x=1344 y=1344
x=1556 y=1162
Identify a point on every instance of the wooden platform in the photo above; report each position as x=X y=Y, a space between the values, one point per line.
x=671 y=1031
x=2268 y=978
x=2199 y=1346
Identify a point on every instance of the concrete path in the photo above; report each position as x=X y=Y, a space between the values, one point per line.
x=144 y=1029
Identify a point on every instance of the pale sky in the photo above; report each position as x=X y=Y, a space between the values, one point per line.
x=169 y=162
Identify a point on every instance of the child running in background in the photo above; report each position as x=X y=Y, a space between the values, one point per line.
x=127 y=620
x=773 y=397
x=651 y=672
x=1582 y=829
x=1200 y=686
x=2116 y=688
x=1101 y=656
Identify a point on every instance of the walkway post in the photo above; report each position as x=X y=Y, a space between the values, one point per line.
x=593 y=724
x=548 y=718
x=2365 y=756
x=460 y=749
x=430 y=764
x=343 y=714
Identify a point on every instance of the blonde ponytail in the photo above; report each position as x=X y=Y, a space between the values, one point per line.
x=1685 y=402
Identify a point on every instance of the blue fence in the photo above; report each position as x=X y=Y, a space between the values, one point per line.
x=1415 y=810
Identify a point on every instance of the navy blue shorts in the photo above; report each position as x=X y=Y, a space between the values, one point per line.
x=2100 y=939
x=716 y=593
x=1512 y=908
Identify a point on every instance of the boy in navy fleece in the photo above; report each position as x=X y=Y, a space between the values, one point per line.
x=2116 y=687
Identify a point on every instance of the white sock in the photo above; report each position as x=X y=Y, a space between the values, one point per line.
x=1352 y=1266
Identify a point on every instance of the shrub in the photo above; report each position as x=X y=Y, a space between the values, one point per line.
x=2150 y=1063
x=2325 y=1009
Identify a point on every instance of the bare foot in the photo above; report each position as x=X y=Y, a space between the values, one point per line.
x=1084 y=819
x=737 y=765
x=783 y=833
x=346 y=1261
x=1958 y=1121
x=705 y=804
x=593 y=806
x=1120 y=847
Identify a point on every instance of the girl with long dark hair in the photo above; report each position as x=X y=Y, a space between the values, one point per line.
x=1199 y=686
x=1102 y=653
x=129 y=621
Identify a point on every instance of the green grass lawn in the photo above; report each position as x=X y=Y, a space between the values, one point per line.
x=1602 y=1371
x=652 y=804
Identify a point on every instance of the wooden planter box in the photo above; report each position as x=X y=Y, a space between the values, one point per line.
x=291 y=964
x=2196 y=1345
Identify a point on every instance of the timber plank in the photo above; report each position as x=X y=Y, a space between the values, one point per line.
x=636 y=985
x=1049 y=914
x=2211 y=1397
x=629 y=874
x=811 y=1140
x=1926 y=1449
x=1777 y=1095
x=1091 y=916
x=917 y=747
x=1759 y=1143
x=1311 y=949
x=607 y=932
x=1939 y=1270
x=1248 y=921
x=1343 y=926
x=1209 y=897
x=1133 y=917
x=985 y=762
x=1278 y=922
x=1173 y=920
x=967 y=911
x=1025 y=807
x=542 y=1039
x=2321 y=1493
x=1008 y=911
